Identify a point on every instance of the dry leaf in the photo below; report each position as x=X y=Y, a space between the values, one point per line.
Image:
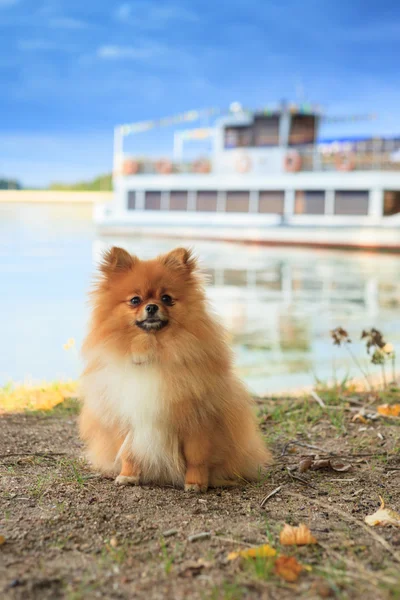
x=296 y=536
x=305 y=464
x=339 y=466
x=264 y=551
x=192 y=568
x=323 y=463
x=383 y=516
x=2 y=540
x=389 y=410
x=288 y=568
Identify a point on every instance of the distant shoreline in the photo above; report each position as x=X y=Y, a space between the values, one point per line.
x=53 y=196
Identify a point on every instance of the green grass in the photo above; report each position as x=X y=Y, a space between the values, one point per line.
x=260 y=567
x=228 y=591
x=168 y=558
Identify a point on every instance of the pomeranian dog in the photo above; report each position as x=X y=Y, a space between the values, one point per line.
x=161 y=402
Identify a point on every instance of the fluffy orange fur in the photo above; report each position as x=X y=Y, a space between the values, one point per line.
x=161 y=401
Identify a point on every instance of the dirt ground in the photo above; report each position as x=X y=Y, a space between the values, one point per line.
x=72 y=534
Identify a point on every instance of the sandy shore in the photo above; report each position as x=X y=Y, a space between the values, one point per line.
x=43 y=196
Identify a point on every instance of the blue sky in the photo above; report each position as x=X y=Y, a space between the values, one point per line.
x=71 y=69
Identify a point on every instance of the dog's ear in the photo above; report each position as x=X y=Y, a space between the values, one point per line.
x=180 y=258
x=116 y=260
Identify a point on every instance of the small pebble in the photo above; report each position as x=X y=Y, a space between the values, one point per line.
x=170 y=532
x=205 y=535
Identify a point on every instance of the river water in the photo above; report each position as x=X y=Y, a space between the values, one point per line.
x=278 y=304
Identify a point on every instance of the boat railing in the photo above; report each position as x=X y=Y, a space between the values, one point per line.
x=348 y=159
x=305 y=158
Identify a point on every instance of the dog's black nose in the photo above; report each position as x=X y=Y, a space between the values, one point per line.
x=151 y=309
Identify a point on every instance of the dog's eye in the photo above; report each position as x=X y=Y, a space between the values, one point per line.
x=166 y=299
x=135 y=300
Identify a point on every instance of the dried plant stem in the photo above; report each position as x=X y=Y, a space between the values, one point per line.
x=384 y=382
x=357 y=363
x=393 y=367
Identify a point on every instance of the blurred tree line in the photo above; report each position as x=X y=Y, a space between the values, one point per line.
x=10 y=184
x=103 y=183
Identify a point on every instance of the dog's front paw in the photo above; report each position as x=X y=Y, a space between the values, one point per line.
x=125 y=480
x=195 y=487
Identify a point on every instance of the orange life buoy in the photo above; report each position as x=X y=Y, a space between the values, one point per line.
x=243 y=164
x=345 y=162
x=130 y=167
x=164 y=166
x=201 y=166
x=292 y=162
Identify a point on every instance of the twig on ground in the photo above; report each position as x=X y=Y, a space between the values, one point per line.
x=355 y=566
x=43 y=454
x=268 y=496
x=301 y=480
x=378 y=538
x=325 y=454
x=317 y=399
x=232 y=541
x=351 y=575
x=303 y=445
x=204 y=535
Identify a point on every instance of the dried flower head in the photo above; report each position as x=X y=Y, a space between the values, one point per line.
x=340 y=336
x=374 y=339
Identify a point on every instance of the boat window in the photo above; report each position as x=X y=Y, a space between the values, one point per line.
x=302 y=130
x=131 y=200
x=152 y=201
x=238 y=137
x=178 y=200
x=237 y=201
x=235 y=277
x=391 y=203
x=271 y=202
x=207 y=201
x=351 y=202
x=266 y=131
x=309 y=202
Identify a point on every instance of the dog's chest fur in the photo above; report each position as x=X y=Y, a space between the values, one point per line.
x=133 y=395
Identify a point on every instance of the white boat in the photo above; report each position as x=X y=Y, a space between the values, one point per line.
x=268 y=179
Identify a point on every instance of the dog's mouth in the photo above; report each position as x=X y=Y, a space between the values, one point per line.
x=152 y=324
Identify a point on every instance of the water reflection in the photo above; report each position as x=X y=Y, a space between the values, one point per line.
x=278 y=304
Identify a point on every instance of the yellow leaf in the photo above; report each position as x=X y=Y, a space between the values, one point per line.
x=2 y=540
x=264 y=551
x=389 y=410
x=359 y=417
x=288 y=568
x=296 y=536
x=383 y=516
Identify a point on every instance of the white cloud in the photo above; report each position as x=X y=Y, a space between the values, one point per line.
x=124 y=12
x=67 y=23
x=138 y=53
x=147 y=15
